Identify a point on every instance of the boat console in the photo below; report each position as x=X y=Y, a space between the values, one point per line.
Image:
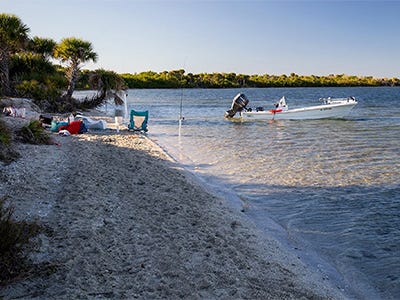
x=330 y=100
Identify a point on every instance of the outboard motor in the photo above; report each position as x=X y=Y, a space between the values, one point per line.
x=238 y=104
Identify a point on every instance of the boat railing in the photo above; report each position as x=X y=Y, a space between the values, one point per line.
x=330 y=100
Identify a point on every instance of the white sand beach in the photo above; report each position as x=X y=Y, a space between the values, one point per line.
x=123 y=221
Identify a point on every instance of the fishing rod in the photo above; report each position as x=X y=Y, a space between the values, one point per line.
x=181 y=118
x=180 y=114
x=181 y=105
x=181 y=102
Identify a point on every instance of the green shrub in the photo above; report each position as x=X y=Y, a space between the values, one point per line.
x=5 y=135
x=14 y=236
x=7 y=152
x=34 y=133
x=37 y=91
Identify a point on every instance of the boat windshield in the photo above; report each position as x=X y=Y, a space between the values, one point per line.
x=281 y=104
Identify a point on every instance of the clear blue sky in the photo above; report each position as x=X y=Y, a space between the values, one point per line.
x=249 y=37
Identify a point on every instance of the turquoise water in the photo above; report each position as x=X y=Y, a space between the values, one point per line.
x=332 y=185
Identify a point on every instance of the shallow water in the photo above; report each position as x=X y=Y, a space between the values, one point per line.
x=333 y=185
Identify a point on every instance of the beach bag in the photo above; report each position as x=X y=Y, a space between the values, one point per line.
x=73 y=127
x=83 y=128
x=55 y=125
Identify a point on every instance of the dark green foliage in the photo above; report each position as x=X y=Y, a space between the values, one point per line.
x=5 y=135
x=7 y=152
x=14 y=236
x=171 y=79
x=178 y=79
x=27 y=65
x=42 y=46
x=13 y=36
x=34 y=133
x=35 y=77
x=40 y=92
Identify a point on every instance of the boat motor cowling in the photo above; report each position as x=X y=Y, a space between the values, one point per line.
x=238 y=104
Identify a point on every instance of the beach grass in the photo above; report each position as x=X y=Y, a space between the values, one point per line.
x=7 y=151
x=34 y=133
x=14 y=237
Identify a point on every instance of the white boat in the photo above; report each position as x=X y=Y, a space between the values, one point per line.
x=330 y=108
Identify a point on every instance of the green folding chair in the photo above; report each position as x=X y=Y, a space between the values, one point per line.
x=138 y=120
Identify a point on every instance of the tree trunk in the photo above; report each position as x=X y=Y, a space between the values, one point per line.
x=73 y=77
x=5 y=88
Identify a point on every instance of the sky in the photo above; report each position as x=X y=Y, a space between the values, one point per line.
x=204 y=36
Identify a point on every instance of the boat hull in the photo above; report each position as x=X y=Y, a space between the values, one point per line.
x=325 y=111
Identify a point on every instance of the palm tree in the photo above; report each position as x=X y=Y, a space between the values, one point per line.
x=107 y=84
x=13 y=37
x=74 y=52
x=34 y=62
x=43 y=46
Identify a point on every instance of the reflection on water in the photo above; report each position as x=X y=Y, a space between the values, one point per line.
x=332 y=184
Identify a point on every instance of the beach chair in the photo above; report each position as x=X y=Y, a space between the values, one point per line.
x=138 y=120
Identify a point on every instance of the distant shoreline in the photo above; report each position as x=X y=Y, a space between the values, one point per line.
x=181 y=79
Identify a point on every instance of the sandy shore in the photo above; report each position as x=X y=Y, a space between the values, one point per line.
x=124 y=221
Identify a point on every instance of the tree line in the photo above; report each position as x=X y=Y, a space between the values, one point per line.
x=27 y=69
x=179 y=79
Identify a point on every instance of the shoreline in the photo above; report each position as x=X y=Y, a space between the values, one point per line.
x=269 y=230
x=124 y=221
